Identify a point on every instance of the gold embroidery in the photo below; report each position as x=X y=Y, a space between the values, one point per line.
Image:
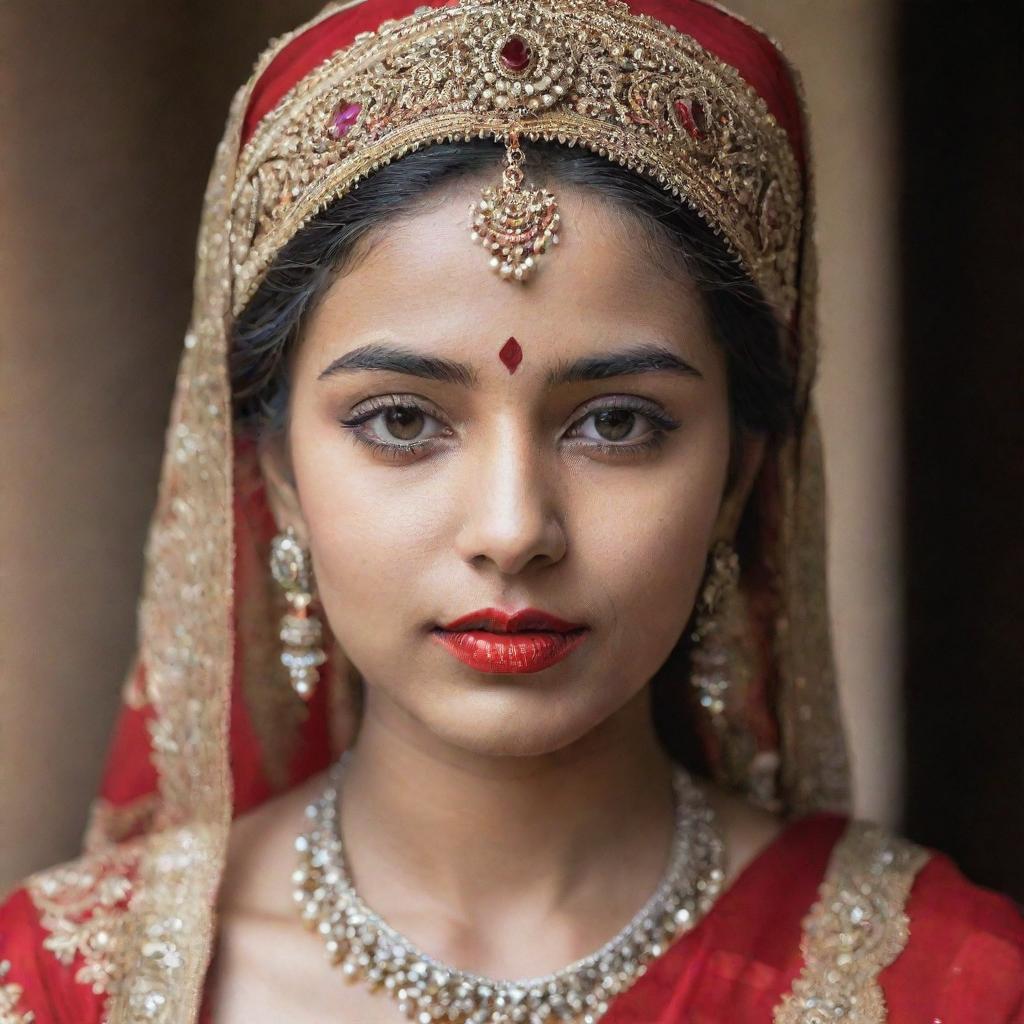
x=10 y=996
x=166 y=932
x=623 y=85
x=113 y=823
x=81 y=906
x=857 y=927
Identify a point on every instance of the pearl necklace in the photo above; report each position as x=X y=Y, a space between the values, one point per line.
x=429 y=991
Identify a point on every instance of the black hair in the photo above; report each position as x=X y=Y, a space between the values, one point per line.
x=761 y=393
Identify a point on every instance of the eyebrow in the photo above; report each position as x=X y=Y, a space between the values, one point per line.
x=646 y=358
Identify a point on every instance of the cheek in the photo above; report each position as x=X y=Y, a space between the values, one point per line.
x=368 y=544
x=647 y=543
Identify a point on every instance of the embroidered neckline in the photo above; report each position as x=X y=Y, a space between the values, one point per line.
x=856 y=928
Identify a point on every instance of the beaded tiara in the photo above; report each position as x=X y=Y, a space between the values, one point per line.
x=588 y=73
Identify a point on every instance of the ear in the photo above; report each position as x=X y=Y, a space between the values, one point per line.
x=749 y=459
x=282 y=494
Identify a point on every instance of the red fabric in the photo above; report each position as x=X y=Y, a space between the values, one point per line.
x=739 y=45
x=964 y=963
x=737 y=963
x=49 y=988
x=966 y=958
x=129 y=772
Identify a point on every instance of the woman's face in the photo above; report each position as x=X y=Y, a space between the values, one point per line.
x=468 y=482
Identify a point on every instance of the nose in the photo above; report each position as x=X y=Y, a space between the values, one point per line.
x=512 y=518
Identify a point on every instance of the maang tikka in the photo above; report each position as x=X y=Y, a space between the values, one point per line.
x=515 y=224
x=301 y=631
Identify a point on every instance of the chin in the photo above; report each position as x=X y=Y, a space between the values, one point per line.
x=517 y=722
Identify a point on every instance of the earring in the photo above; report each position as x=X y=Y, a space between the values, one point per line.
x=716 y=666
x=301 y=632
x=710 y=659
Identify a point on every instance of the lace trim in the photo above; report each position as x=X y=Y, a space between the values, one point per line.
x=81 y=905
x=857 y=927
x=111 y=823
x=10 y=996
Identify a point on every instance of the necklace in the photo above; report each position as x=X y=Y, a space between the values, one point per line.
x=428 y=991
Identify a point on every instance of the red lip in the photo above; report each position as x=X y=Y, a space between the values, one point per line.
x=495 y=620
x=491 y=640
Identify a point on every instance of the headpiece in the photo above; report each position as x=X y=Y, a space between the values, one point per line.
x=588 y=73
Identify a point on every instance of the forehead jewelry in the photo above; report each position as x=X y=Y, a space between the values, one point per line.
x=516 y=224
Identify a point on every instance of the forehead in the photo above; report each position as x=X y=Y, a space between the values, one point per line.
x=423 y=280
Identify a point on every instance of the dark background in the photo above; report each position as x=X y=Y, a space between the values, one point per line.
x=962 y=235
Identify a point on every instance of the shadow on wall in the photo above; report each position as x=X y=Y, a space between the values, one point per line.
x=112 y=112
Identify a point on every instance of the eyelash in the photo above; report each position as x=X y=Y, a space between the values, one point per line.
x=654 y=440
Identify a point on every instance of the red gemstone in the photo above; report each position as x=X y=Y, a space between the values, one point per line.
x=515 y=54
x=511 y=354
x=345 y=116
x=686 y=116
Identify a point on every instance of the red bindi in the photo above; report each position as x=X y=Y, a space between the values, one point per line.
x=511 y=354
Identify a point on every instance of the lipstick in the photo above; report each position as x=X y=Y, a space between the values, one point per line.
x=495 y=641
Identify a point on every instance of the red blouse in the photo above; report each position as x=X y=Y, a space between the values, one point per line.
x=963 y=963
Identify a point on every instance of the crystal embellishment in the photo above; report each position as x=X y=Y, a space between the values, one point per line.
x=370 y=950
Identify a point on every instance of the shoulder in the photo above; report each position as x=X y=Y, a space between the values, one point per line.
x=964 y=959
x=897 y=927
x=58 y=943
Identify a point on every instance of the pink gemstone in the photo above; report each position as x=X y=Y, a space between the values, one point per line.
x=344 y=118
x=515 y=54
x=511 y=354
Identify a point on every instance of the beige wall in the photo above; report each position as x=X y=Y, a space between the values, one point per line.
x=109 y=115
x=105 y=152
x=843 y=49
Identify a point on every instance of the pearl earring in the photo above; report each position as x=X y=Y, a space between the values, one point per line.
x=301 y=631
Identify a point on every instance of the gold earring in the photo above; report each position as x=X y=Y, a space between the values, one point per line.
x=709 y=660
x=716 y=666
x=301 y=631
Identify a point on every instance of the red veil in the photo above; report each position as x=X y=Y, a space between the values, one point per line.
x=210 y=729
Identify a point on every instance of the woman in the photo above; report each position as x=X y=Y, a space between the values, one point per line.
x=464 y=555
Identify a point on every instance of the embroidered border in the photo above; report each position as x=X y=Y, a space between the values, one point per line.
x=81 y=905
x=857 y=927
x=10 y=996
x=625 y=86
x=114 y=823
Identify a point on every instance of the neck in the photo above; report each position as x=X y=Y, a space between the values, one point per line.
x=474 y=836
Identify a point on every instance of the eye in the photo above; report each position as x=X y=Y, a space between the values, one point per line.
x=399 y=423
x=393 y=426
x=614 y=424
x=625 y=425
